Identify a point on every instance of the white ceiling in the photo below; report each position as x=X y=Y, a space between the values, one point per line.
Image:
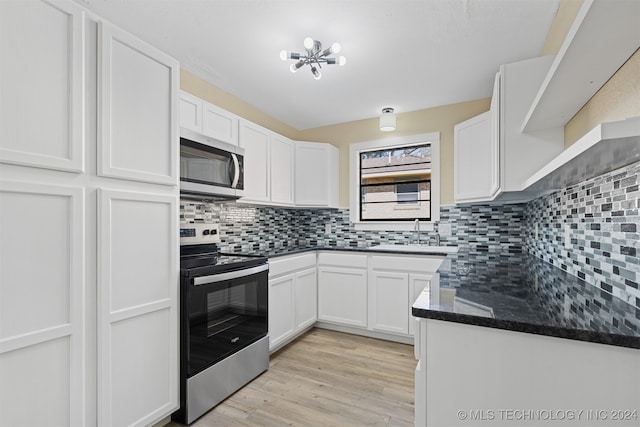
x=406 y=54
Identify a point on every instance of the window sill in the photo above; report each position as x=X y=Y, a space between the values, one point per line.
x=392 y=225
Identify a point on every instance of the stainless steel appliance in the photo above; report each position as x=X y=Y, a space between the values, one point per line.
x=210 y=169
x=224 y=340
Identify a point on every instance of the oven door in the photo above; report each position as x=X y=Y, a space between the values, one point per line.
x=224 y=313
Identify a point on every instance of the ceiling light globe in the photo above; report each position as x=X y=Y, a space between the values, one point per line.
x=308 y=43
x=342 y=60
x=335 y=48
x=284 y=55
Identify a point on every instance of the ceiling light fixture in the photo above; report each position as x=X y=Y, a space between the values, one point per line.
x=387 y=120
x=314 y=57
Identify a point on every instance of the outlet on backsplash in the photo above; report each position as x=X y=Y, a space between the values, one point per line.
x=444 y=229
x=327 y=227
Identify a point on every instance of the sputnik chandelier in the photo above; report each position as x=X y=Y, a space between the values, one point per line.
x=314 y=57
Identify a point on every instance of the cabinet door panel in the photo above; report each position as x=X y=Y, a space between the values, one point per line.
x=219 y=124
x=42 y=337
x=138 y=110
x=389 y=294
x=312 y=174
x=190 y=112
x=342 y=296
x=255 y=141
x=41 y=82
x=282 y=153
x=476 y=160
x=281 y=309
x=137 y=307
x=306 y=297
x=417 y=283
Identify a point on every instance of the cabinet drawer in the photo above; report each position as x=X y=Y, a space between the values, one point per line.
x=291 y=263
x=427 y=264
x=342 y=259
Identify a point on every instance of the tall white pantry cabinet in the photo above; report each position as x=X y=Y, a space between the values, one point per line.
x=88 y=221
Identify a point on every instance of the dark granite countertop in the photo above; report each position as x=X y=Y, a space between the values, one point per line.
x=292 y=250
x=534 y=297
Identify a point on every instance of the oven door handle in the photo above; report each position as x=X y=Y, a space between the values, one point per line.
x=221 y=277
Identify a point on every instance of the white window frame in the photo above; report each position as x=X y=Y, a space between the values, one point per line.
x=355 y=193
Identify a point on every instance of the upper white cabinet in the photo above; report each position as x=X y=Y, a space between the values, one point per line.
x=281 y=155
x=46 y=88
x=316 y=174
x=603 y=36
x=523 y=154
x=138 y=93
x=208 y=119
x=476 y=160
x=268 y=165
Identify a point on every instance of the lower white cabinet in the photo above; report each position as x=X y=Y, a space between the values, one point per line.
x=342 y=288
x=293 y=298
x=388 y=296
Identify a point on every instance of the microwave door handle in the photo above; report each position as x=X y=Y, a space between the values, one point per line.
x=236 y=171
x=232 y=172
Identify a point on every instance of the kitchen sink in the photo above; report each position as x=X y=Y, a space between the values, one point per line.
x=423 y=249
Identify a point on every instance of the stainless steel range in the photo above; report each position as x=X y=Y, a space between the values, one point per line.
x=223 y=321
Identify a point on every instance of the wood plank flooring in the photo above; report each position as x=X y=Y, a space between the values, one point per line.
x=326 y=378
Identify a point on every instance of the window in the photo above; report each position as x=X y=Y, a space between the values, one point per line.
x=394 y=182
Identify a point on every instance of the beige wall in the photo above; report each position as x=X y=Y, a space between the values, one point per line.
x=618 y=99
x=440 y=119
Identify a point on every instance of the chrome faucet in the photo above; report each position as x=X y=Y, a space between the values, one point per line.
x=416 y=229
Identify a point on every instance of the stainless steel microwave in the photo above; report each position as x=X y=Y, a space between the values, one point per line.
x=210 y=169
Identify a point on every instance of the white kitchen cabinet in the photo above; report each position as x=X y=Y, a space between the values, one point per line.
x=208 y=119
x=316 y=174
x=476 y=160
x=281 y=157
x=190 y=112
x=388 y=297
x=306 y=298
x=523 y=154
x=138 y=96
x=46 y=88
x=138 y=307
x=342 y=288
x=103 y=347
x=492 y=157
x=293 y=297
x=281 y=310
x=42 y=287
x=395 y=281
x=268 y=166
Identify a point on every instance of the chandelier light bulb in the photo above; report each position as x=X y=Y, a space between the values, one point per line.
x=342 y=60
x=284 y=55
x=316 y=73
x=308 y=43
x=335 y=48
x=293 y=68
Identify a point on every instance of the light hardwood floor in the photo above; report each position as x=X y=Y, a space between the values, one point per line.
x=326 y=378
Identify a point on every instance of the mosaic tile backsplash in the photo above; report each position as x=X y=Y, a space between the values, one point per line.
x=590 y=230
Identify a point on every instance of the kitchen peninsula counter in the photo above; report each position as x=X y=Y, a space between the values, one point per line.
x=536 y=298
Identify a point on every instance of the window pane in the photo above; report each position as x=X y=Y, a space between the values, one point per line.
x=395 y=184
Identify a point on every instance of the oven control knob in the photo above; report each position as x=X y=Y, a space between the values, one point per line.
x=205 y=233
